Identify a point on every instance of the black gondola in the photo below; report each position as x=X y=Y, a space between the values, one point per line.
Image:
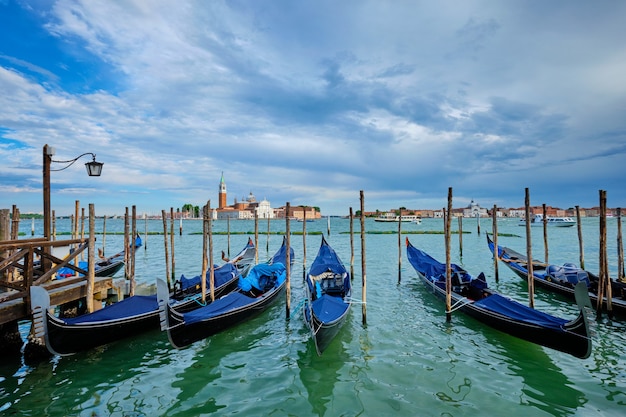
x=561 y=279
x=131 y=316
x=473 y=297
x=328 y=293
x=255 y=293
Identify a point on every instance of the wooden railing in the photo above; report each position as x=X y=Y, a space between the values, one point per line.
x=28 y=262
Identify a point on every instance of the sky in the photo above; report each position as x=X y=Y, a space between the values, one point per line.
x=312 y=102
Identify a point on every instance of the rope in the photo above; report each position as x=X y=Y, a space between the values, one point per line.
x=462 y=302
x=299 y=306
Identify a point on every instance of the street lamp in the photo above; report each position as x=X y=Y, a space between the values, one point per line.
x=94 y=169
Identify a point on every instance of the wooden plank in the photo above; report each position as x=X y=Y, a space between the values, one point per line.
x=71 y=291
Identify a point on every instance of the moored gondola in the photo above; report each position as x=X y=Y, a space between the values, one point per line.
x=473 y=297
x=327 y=300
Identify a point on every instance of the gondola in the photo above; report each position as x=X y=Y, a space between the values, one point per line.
x=133 y=315
x=327 y=298
x=473 y=297
x=562 y=279
x=254 y=294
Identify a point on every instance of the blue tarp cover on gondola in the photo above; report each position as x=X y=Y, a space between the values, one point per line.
x=325 y=260
x=132 y=306
x=230 y=302
x=328 y=308
x=518 y=311
x=221 y=274
x=260 y=274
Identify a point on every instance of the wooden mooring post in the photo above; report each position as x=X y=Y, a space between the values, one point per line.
x=363 y=274
x=288 y=283
x=529 y=252
x=581 y=250
x=620 y=247
x=494 y=229
x=351 y=245
x=446 y=225
x=400 y=247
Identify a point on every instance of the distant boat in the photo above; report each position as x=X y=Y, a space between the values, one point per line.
x=537 y=220
x=396 y=219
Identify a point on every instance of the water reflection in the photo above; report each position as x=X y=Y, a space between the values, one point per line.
x=320 y=374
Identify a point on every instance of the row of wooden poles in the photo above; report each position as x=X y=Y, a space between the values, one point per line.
x=604 y=288
x=207 y=252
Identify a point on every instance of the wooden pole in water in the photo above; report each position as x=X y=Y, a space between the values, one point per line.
x=581 y=250
x=529 y=253
x=601 y=272
x=288 y=283
x=91 y=259
x=400 y=247
x=15 y=223
x=545 y=232
x=447 y=224
x=172 y=243
x=32 y=227
x=477 y=222
x=211 y=262
x=267 y=244
x=54 y=226
x=104 y=234
x=328 y=226
x=228 y=233
x=363 y=275
x=205 y=261
x=304 y=246
x=256 y=236
x=351 y=245
x=126 y=245
x=494 y=229
x=76 y=216
x=133 y=250
x=168 y=277
x=145 y=232
x=620 y=245
x=461 y=236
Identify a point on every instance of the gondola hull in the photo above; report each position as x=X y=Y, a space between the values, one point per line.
x=328 y=292
x=510 y=317
x=517 y=262
x=181 y=334
x=126 y=318
x=255 y=293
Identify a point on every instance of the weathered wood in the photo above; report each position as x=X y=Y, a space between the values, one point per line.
x=529 y=252
x=91 y=261
x=447 y=224
x=351 y=245
x=363 y=275
x=400 y=247
x=494 y=229
x=71 y=290
x=288 y=283
x=545 y=233
x=581 y=250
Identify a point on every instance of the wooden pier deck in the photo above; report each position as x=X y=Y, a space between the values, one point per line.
x=61 y=292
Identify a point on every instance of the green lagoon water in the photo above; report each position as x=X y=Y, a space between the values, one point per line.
x=407 y=360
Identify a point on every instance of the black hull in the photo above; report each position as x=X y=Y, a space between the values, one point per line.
x=68 y=339
x=182 y=335
x=324 y=333
x=618 y=303
x=575 y=340
x=109 y=270
x=65 y=339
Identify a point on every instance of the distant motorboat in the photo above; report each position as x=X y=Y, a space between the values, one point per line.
x=396 y=219
x=537 y=220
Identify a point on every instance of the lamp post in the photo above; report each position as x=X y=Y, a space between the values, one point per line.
x=94 y=169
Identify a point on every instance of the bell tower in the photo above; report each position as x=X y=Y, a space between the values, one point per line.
x=222 y=194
